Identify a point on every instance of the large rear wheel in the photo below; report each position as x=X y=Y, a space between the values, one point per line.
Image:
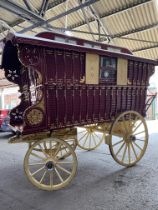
x=128 y=138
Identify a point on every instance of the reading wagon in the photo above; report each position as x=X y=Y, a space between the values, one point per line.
x=75 y=93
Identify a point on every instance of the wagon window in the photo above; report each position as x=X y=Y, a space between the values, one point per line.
x=108 y=69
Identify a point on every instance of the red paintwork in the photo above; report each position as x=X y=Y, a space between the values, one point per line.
x=3 y=113
x=66 y=101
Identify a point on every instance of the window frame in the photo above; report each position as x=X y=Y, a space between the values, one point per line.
x=112 y=80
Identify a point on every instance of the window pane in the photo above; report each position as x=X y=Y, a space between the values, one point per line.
x=108 y=69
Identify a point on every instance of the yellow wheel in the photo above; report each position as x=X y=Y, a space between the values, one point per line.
x=88 y=138
x=128 y=138
x=45 y=168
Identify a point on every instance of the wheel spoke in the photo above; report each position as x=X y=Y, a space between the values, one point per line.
x=65 y=149
x=129 y=153
x=50 y=144
x=90 y=141
x=43 y=150
x=125 y=126
x=133 y=150
x=34 y=164
x=65 y=162
x=118 y=142
x=35 y=155
x=61 y=154
x=58 y=149
x=40 y=169
x=51 y=178
x=94 y=139
x=63 y=169
x=120 y=149
x=58 y=174
x=41 y=180
x=97 y=136
x=86 y=140
x=139 y=133
x=83 y=136
x=140 y=140
x=138 y=146
x=124 y=153
x=137 y=126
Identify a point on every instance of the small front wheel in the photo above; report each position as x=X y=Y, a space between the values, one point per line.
x=45 y=167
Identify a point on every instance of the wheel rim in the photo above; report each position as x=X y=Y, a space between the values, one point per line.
x=45 y=168
x=65 y=152
x=88 y=138
x=129 y=147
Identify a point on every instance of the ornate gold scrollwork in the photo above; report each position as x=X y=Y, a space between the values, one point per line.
x=39 y=94
x=34 y=116
x=29 y=55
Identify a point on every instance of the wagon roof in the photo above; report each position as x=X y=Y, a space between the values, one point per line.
x=43 y=42
x=50 y=35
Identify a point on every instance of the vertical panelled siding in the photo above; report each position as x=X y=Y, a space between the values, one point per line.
x=69 y=67
x=71 y=103
x=138 y=77
x=84 y=99
x=96 y=113
x=102 y=106
x=64 y=69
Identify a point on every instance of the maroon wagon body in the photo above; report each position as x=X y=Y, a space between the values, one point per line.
x=51 y=77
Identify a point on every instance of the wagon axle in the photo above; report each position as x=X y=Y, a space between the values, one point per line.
x=130 y=138
x=50 y=166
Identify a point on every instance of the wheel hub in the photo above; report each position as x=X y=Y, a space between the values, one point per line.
x=90 y=130
x=49 y=166
x=130 y=138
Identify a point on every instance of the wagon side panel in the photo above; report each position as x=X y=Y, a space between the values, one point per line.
x=35 y=116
